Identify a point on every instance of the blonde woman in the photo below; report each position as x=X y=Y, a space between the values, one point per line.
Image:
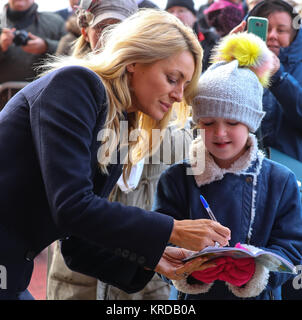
x=59 y=138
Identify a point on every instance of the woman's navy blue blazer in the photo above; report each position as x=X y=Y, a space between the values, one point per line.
x=51 y=188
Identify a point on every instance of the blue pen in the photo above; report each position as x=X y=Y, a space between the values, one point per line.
x=210 y=213
x=207 y=207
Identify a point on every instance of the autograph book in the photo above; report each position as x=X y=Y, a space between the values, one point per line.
x=271 y=260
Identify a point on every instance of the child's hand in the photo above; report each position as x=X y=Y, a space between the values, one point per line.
x=276 y=64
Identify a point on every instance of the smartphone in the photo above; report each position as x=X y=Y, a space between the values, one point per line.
x=258 y=26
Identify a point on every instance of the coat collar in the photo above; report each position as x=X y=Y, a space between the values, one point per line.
x=211 y=170
x=292 y=53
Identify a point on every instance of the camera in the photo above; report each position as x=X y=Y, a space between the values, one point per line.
x=21 y=38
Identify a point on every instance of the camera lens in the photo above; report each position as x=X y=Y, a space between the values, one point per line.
x=21 y=37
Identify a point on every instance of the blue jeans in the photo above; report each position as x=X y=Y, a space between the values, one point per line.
x=24 y=295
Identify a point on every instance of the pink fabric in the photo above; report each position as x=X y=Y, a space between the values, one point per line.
x=239 y=246
x=221 y=4
x=235 y=271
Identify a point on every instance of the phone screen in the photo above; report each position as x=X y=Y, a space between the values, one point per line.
x=258 y=26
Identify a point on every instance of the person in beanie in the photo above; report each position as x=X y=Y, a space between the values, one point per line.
x=146 y=4
x=224 y=15
x=184 y=10
x=256 y=198
x=94 y=16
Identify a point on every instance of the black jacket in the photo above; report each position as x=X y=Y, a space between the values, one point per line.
x=51 y=187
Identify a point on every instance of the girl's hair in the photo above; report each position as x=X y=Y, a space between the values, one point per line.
x=146 y=37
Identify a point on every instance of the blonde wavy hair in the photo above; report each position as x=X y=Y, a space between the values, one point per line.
x=146 y=37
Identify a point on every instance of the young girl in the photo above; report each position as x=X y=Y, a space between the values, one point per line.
x=257 y=199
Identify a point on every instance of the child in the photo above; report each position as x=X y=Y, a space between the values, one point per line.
x=256 y=198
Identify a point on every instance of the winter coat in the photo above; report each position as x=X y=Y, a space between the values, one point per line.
x=18 y=65
x=256 y=198
x=52 y=188
x=208 y=38
x=65 y=284
x=65 y=46
x=282 y=125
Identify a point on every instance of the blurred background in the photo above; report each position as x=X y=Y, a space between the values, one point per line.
x=53 y=5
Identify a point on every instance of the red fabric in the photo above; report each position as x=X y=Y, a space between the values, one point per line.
x=235 y=271
x=201 y=36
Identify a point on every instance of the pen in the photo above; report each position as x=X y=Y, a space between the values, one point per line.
x=207 y=207
x=210 y=213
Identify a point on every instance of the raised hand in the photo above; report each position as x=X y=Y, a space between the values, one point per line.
x=35 y=45
x=6 y=38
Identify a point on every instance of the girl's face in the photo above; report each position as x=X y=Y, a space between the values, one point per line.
x=156 y=86
x=280 y=31
x=224 y=139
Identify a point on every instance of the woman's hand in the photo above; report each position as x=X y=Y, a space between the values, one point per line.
x=171 y=265
x=198 y=234
x=239 y=28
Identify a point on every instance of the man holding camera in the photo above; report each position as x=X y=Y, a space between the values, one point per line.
x=26 y=37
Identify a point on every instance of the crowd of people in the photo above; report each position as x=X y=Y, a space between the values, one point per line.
x=120 y=230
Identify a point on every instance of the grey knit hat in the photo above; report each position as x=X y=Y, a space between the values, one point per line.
x=92 y=12
x=228 y=90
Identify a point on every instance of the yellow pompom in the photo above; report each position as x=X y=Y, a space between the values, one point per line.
x=249 y=50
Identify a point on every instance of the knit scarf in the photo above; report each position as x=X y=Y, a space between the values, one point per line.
x=22 y=19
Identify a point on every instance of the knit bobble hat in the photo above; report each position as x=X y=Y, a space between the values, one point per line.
x=189 y=4
x=91 y=12
x=232 y=87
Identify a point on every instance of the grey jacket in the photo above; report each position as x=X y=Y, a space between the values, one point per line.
x=18 y=65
